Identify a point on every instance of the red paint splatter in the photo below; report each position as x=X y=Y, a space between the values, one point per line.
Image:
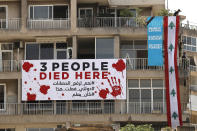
x=25 y=82
x=62 y=94
x=116 y=87
x=27 y=66
x=35 y=69
x=34 y=78
x=44 y=89
x=30 y=89
x=95 y=92
x=102 y=83
x=119 y=66
x=31 y=97
x=103 y=93
x=49 y=98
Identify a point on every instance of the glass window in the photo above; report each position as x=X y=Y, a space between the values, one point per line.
x=62 y=54
x=157 y=83
x=158 y=95
x=193 y=48
x=145 y=83
x=104 y=48
x=134 y=95
x=194 y=41
x=126 y=45
x=184 y=39
x=133 y=83
x=189 y=40
x=2 y=96
x=6 y=46
x=31 y=12
x=145 y=95
x=61 y=45
x=32 y=129
x=140 y=44
x=60 y=11
x=32 y=51
x=46 y=129
x=41 y=12
x=46 y=51
x=2 y=12
x=128 y=53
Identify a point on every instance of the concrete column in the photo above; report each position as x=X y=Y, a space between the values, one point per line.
x=19 y=96
x=74 y=49
x=117 y=46
x=19 y=90
x=24 y=15
x=73 y=16
x=20 y=128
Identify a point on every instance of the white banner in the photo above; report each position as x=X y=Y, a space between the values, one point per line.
x=87 y=79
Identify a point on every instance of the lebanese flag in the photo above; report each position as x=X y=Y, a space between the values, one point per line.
x=171 y=31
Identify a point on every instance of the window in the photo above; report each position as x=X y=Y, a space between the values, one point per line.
x=48 y=12
x=85 y=12
x=146 y=95
x=2 y=96
x=190 y=43
x=48 y=51
x=3 y=17
x=7 y=129
x=40 y=129
x=99 y=48
x=104 y=48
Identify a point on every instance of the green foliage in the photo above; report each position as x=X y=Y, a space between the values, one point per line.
x=126 y=13
x=165 y=12
x=131 y=127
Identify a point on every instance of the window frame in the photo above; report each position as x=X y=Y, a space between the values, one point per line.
x=189 y=47
x=51 y=5
x=145 y=88
x=84 y=8
x=6 y=7
x=4 y=86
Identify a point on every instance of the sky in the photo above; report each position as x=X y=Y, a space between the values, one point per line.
x=188 y=8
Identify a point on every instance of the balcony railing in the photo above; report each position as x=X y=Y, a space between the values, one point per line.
x=132 y=64
x=142 y=64
x=111 y=22
x=49 y=24
x=10 y=65
x=88 y=108
x=10 y=24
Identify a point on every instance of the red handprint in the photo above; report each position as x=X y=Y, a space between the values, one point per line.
x=116 y=87
x=103 y=93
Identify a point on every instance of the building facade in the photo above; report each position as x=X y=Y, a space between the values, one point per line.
x=82 y=29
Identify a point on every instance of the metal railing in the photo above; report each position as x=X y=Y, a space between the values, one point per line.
x=48 y=24
x=10 y=24
x=10 y=65
x=142 y=64
x=71 y=108
x=132 y=64
x=111 y=22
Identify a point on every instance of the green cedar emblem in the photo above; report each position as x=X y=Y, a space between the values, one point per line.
x=171 y=25
x=171 y=47
x=173 y=92
x=174 y=115
x=171 y=69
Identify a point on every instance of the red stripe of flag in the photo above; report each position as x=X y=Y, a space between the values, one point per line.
x=166 y=69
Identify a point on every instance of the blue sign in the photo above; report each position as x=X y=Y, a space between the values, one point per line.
x=155 y=41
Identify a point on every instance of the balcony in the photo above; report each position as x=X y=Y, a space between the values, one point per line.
x=10 y=65
x=84 y=108
x=10 y=24
x=109 y=22
x=48 y=24
x=132 y=64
